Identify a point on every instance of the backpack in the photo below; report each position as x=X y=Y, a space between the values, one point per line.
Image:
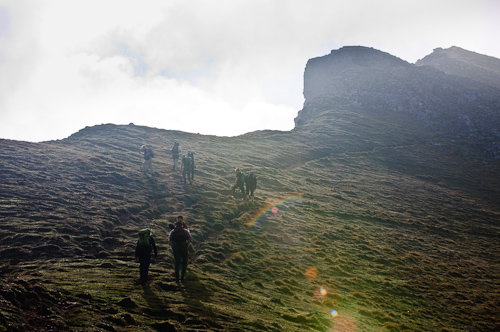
x=179 y=236
x=186 y=161
x=191 y=155
x=251 y=180
x=243 y=177
x=144 y=239
x=151 y=153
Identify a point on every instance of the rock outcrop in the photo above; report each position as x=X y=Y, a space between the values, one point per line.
x=460 y=62
x=366 y=80
x=343 y=70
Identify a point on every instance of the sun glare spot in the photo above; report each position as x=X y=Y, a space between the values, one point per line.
x=311 y=272
x=334 y=313
x=320 y=292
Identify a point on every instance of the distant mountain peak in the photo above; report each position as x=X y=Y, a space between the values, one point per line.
x=451 y=92
x=460 y=62
x=365 y=56
x=329 y=73
x=454 y=52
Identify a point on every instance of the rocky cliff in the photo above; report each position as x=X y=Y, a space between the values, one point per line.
x=460 y=62
x=366 y=80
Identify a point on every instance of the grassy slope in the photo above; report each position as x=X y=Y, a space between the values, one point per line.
x=398 y=243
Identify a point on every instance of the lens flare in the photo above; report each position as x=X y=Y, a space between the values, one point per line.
x=334 y=313
x=323 y=291
x=311 y=273
x=273 y=207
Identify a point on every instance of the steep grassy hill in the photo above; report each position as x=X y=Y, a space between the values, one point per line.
x=390 y=246
x=380 y=211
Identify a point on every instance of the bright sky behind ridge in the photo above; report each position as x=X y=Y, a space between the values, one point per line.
x=220 y=67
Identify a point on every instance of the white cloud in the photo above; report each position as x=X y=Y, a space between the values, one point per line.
x=196 y=65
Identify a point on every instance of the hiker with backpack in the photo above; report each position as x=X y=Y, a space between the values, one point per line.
x=148 y=159
x=176 y=150
x=239 y=182
x=145 y=246
x=187 y=167
x=251 y=185
x=179 y=218
x=179 y=239
x=191 y=155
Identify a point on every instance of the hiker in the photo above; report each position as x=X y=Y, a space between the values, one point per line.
x=191 y=155
x=179 y=218
x=239 y=182
x=187 y=167
x=176 y=149
x=145 y=245
x=148 y=159
x=251 y=185
x=179 y=239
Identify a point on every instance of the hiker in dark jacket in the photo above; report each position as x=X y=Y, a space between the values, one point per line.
x=239 y=182
x=145 y=246
x=179 y=218
x=176 y=150
x=187 y=168
x=251 y=185
x=191 y=155
x=179 y=239
x=148 y=160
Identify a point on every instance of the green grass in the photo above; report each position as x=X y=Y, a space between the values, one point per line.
x=379 y=227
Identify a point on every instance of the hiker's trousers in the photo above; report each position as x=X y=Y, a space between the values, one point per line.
x=187 y=170
x=144 y=262
x=239 y=185
x=148 y=166
x=181 y=260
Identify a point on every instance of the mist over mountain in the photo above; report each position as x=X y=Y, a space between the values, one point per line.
x=379 y=211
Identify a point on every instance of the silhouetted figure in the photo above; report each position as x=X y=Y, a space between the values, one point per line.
x=179 y=218
x=179 y=239
x=251 y=185
x=176 y=150
x=145 y=246
x=239 y=182
x=191 y=155
x=148 y=160
x=187 y=167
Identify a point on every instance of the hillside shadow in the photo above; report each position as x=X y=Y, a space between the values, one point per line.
x=196 y=293
x=185 y=302
x=157 y=306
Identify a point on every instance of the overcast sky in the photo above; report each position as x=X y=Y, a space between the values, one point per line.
x=219 y=67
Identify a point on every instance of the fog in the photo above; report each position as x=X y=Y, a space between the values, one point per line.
x=221 y=68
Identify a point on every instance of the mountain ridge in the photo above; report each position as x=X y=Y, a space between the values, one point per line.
x=392 y=226
x=458 y=107
x=460 y=62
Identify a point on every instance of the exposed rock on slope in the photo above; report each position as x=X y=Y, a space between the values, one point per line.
x=366 y=80
x=343 y=70
x=460 y=62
